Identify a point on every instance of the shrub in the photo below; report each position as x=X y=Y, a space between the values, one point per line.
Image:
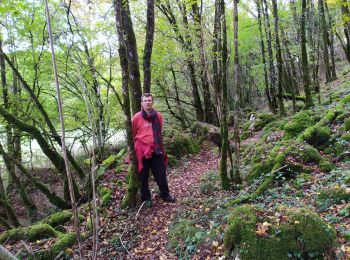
x=179 y=144
x=263 y=119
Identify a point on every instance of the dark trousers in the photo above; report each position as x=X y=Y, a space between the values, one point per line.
x=157 y=165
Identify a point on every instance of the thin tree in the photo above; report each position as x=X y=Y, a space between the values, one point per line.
x=225 y=184
x=278 y=60
x=304 y=57
x=147 y=53
x=236 y=172
x=64 y=150
x=325 y=40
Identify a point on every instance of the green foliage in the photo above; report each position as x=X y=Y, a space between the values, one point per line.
x=298 y=123
x=64 y=241
x=209 y=183
x=106 y=194
x=184 y=236
x=330 y=196
x=299 y=234
x=113 y=160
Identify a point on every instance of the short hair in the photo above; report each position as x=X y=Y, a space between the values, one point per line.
x=146 y=95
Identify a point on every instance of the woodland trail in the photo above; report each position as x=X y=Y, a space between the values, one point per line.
x=154 y=222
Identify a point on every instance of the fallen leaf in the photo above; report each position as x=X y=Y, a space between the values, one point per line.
x=262 y=229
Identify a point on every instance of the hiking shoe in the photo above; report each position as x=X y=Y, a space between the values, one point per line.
x=169 y=198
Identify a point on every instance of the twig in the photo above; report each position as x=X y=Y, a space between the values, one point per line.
x=28 y=249
x=127 y=224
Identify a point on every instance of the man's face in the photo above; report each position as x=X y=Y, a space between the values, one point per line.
x=147 y=103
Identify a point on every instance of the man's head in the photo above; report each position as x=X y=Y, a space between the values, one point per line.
x=147 y=101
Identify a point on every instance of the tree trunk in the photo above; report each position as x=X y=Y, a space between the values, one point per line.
x=346 y=24
x=186 y=45
x=147 y=53
x=331 y=41
x=236 y=106
x=304 y=58
x=225 y=184
x=325 y=40
x=205 y=74
x=41 y=109
x=263 y=54
x=133 y=185
x=272 y=72
x=133 y=58
x=52 y=197
x=279 y=61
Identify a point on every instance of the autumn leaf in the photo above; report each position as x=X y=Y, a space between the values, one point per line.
x=262 y=228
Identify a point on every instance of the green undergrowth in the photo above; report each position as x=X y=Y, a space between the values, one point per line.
x=287 y=233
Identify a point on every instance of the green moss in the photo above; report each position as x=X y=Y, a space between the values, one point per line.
x=297 y=156
x=179 y=144
x=263 y=119
x=31 y=233
x=113 y=160
x=346 y=137
x=347 y=125
x=181 y=231
x=330 y=196
x=106 y=194
x=345 y=100
x=63 y=242
x=316 y=135
x=299 y=122
x=59 y=218
x=301 y=234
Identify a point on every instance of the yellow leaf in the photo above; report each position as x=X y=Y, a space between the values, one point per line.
x=206 y=210
x=262 y=229
x=154 y=232
x=215 y=243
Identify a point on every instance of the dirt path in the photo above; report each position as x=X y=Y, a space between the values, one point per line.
x=153 y=223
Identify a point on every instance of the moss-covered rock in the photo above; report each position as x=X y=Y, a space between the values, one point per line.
x=316 y=135
x=346 y=137
x=297 y=156
x=298 y=123
x=206 y=132
x=31 y=233
x=263 y=119
x=289 y=233
x=347 y=124
x=179 y=144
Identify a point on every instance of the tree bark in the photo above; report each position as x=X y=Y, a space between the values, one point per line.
x=225 y=184
x=325 y=39
x=346 y=23
x=272 y=72
x=279 y=60
x=304 y=58
x=133 y=185
x=331 y=41
x=133 y=58
x=147 y=53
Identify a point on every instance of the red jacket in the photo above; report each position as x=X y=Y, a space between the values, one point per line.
x=143 y=139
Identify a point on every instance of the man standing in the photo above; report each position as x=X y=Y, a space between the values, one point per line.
x=147 y=132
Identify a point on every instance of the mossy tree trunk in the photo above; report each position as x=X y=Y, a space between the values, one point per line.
x=50 y=152
x=325 y=39
x=272 y=71
x=330 y=26
x=10 y=213
x=304 y=58
x=225 y=184
x=237 y=103
x=133 y=184
x=52 y=197
x=278 y=59
x=42 y=111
